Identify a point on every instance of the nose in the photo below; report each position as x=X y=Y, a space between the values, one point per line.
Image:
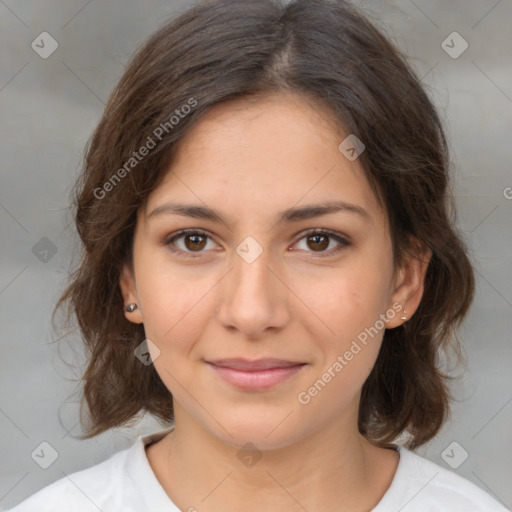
x=255 y=298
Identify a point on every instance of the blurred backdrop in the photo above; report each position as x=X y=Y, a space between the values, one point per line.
x=60 y=60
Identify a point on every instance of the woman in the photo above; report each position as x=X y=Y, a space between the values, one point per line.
x=270 y=268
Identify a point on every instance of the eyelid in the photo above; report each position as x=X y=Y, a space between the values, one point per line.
x=342 y=240
x=168 y=240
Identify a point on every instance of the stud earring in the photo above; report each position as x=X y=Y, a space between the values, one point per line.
x=404 y=317
x=130 y=307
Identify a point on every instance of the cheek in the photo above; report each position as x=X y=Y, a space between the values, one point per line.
x=346 y=328
x=345 y=300
x=350 y=307
x=172 y=299
x=175 y=316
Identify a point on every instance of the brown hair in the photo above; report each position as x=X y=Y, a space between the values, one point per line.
x=220 y=50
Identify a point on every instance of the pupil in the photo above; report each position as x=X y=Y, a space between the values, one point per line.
x=196 y=243
x=315 y=238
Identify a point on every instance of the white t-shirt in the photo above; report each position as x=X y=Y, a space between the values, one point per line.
x=126 y=483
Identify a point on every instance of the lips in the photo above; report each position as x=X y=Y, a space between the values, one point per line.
x=259 y=364
x=255 y=375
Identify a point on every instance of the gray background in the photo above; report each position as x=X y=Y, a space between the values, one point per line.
x=49 y=108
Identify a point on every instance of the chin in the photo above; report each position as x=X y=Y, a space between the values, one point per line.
x=265 y=433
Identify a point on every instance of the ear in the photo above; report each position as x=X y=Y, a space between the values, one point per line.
x=409 y=283
x=129 y=293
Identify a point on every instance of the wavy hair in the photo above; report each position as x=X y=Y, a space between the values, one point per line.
x=216 y=51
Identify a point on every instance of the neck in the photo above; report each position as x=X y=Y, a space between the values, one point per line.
x=334 y=468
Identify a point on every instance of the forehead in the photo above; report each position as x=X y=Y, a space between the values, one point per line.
x=278 y=120
x=262 y=155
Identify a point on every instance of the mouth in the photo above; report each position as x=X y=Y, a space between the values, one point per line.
x=255 y=375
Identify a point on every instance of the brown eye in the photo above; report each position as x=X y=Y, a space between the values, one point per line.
x=318 y=242
x=189 y=243
x=195 y=241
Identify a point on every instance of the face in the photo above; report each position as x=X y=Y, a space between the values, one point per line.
x=257 y=279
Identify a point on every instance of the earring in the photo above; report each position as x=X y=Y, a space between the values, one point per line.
x=405 y=315
x=130 y=307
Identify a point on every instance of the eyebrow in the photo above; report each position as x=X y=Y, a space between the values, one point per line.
x=289 y=215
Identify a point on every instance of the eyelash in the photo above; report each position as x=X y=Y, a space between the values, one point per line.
x=343 y=242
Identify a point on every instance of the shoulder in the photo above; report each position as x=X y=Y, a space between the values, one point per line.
x=420 y=485
x=83 y=491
